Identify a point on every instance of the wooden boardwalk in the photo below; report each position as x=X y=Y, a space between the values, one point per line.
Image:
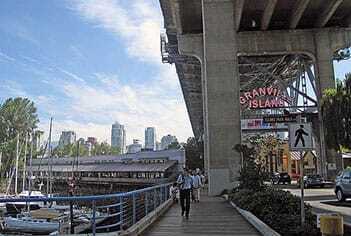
x=212 y=216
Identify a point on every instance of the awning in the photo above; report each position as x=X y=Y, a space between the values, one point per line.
x=295 y=156
x=346 y=155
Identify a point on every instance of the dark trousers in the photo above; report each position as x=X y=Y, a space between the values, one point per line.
x=185 y=201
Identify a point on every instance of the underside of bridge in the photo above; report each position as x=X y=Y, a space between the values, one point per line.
x=222 y=48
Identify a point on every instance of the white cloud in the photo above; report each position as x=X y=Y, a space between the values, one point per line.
x=5 y=57
x=71 y=75
x=82 y=129
x=155 y=102
x=139 y=27
x=135 y=105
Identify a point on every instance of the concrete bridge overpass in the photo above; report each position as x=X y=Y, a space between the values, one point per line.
x=213 y=43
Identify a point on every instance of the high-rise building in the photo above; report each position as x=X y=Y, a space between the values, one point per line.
x=92 y=140
x=167 y=140
x=118 y=137
x=67 y=137
x=158 y=146
x=135 y=147
x=150 y=138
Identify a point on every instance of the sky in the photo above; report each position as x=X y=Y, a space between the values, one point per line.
x=89 y=63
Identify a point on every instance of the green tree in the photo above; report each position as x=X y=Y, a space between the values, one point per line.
x=70 y=150
x=174 y=145
x=194 y=154
x=17 y=116
x=251 y=172
x=336 y=113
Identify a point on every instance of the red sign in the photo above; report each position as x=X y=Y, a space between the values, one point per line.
x=266 y=97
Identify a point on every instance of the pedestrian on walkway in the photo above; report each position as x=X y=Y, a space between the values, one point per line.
x=192 y=194
x=197 y=184
x=185 y=183
x=174 y=192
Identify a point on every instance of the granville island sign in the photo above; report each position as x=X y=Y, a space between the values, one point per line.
x=264 y=98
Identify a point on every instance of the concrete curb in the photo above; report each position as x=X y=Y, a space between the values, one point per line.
x=261 y=227
x=144 y=223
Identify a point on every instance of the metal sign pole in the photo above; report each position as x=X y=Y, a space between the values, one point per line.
x=302 y=203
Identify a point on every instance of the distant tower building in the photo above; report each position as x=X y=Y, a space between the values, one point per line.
x=167 y=140
x=158 y=146
x=89 y=147
x=118 y=137
x=150 y=138
x=67 y=137
x=135 y=147
x=92 y=140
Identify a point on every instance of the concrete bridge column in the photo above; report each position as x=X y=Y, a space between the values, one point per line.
x=325 y=79
x=222 y=88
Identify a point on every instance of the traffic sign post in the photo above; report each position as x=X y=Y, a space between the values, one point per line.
x=300 y=139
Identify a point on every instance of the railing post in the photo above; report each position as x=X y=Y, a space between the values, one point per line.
x=121 y=211
x=155 y=198
x=94 y=218
x=167 y=192
x=164 y=193
x=134 y=208
x=146 y=204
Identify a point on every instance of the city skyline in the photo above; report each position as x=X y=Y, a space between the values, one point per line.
x=112 y=73
x=96 y=140
x=123 y=79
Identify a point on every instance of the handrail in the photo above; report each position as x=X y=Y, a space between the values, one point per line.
x=81 y=198
x=125 y=209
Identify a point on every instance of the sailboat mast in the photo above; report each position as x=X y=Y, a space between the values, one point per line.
x=0 y=161
x=17 y=157
x=30 y=163
x=48 y=182
x=24 y=175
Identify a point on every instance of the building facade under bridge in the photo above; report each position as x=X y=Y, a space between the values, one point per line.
x=223 y=49
x=143 y=168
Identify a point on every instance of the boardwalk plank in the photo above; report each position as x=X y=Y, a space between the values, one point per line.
x=211 y=217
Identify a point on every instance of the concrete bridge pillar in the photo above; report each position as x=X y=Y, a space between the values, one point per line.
x=325 y=79
x=221 y=87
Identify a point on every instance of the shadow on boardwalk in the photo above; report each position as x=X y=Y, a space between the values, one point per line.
x=212 y=216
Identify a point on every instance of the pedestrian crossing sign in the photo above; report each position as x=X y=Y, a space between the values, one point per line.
x=300 y=137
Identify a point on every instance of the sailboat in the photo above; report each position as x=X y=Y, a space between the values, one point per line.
x=14 y=208
x=26 y=224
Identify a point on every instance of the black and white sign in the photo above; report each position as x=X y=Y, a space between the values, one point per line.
x=300 y=136
x=279 y=119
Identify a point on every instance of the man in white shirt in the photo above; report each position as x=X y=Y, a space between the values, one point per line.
x=185 y=183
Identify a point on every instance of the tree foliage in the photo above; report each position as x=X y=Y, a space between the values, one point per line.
x=336 y=112
x=174 y=145
x=251 y=172
x=71 y=150
x=18 y=116
x=194 y=153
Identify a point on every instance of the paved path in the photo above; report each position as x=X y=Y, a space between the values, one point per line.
x=212 y=216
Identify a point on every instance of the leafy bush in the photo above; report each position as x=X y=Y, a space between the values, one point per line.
x=278 y=209
x=251 y=174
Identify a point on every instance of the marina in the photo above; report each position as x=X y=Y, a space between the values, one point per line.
x=72 y=214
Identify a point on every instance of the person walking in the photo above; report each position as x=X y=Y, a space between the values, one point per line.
x=192 y=194
x=174 y=192
x=185 y=183
x=197 y=184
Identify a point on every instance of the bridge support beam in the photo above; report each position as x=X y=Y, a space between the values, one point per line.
x=220 y=66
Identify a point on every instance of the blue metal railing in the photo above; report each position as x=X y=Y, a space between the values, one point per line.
x=120 y=210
